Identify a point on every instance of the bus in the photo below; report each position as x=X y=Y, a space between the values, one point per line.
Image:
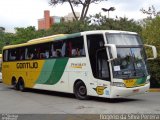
x=0 y=67
x=102 y=63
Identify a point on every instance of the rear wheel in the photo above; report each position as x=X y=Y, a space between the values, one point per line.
x=21 y=85
x=80 y=90
x=14 y=84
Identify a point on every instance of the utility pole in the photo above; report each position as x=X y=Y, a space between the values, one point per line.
x=108 y=10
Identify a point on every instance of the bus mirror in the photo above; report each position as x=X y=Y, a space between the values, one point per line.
x=113 y=50
x=154 y=50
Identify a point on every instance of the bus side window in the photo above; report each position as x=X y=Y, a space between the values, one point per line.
x=53 y=52
x=12 y=55
x=26 y=54
x=82 y=51
x=21 y=54
x=46 y=54
x=63 y=51
x=5 y=55
x=77 y=47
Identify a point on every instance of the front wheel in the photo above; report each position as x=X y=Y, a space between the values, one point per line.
x=80 y=91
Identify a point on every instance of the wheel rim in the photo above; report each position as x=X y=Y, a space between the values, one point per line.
x=82 y=90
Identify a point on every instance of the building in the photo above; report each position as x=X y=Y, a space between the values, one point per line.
x=70 y=16
x=2 y=29
x=47 y=21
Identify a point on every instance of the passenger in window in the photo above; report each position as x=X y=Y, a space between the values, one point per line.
x=53 y=52
x=42 y=55
x=12 y=56
x=82 y=51
x=37 y=53
x=21 y=57
x=30 y=56
x=46 y=54
x=73 y=52
x=76 y=52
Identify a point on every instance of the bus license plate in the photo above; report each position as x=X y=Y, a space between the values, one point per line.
x=136 y=91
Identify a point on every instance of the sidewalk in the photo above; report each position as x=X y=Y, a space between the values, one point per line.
x=154 y=90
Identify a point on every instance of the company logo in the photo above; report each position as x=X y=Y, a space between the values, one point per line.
x=78 y=65
x=99 y=90
x=32 y=65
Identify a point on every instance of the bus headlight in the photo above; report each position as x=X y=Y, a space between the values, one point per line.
x=118 y=84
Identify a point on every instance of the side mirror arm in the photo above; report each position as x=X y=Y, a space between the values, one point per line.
x=154 y=50
x=113 y=51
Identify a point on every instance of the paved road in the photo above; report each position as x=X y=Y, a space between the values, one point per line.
x=44 y=102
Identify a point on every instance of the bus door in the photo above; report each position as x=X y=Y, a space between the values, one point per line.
x=102 y=68
x=99 y=64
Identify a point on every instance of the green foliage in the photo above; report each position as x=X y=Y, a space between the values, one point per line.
x=102 y=22
x=69 y=27
x=24 y=34
x=151 y=35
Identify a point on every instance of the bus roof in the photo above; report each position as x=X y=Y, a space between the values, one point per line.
x=107 y=31
x=63 y=36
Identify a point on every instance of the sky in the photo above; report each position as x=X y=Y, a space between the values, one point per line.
x=23 y=13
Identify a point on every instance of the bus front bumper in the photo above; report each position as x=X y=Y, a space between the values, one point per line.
x=120 y=92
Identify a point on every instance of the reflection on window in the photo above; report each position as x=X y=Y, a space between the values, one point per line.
x=130 y=62
x=123 y=39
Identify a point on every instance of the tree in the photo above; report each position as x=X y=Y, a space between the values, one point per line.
x=151 y=12
x=151 y=35
x=102 y=22
x=69 y=27
x=24 y=34
x=84 y=3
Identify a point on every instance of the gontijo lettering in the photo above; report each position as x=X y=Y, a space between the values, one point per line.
x=32 y=65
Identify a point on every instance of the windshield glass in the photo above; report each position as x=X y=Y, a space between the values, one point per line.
x=131 y=59
x=123 y=39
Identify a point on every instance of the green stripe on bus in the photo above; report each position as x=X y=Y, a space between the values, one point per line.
x=46 y=71
x=141 y=81
x=68 y=36
x=52 y=71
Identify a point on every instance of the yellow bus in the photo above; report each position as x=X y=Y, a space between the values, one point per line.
x=103 y=63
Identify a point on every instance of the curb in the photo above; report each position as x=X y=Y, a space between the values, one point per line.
x=154 y=90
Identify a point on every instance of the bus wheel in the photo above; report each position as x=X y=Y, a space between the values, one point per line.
x=80 y=91
x=14 y=84
x=21 y=85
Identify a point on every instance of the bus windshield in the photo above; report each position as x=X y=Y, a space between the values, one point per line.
x=131 y=58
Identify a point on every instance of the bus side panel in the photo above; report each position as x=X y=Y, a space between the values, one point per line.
x=27 y=70
x=79 y=69
x=6 y=73
x=53 y=75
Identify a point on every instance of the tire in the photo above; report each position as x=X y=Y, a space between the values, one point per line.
x=14 y=84
x=21 y=86
x=80 y=91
